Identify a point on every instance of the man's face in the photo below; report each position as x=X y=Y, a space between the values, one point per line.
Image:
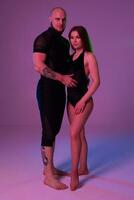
x=58 y=20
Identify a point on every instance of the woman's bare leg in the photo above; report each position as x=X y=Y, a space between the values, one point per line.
x=74 y=176
x=83 y=169
x=77 y=124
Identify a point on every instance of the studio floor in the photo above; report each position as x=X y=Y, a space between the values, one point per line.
x=110 y=159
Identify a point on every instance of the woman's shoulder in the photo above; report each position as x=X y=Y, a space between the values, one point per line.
x=89 y=55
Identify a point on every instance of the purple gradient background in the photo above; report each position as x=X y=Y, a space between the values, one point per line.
x=110 y=24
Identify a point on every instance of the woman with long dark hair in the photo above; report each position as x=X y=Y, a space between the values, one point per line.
x=83 y=66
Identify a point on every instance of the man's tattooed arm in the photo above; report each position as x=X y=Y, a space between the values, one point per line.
x=48 y=73
x=43 y=69
x=40 y=66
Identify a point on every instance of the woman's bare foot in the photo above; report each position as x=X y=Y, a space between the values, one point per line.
x=83 y=172
x=74 y=184
x=54 y=183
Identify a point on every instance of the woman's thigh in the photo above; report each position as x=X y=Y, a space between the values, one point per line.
x=79 y=120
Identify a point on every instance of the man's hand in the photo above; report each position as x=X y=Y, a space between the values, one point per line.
x=67 y=80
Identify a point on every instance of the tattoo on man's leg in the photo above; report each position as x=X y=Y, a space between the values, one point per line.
x=45 y=160
x=44 y=157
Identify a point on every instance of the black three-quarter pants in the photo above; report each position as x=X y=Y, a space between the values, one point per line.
x=51 y=102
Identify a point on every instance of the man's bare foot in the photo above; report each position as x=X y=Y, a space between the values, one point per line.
x=83 y=172
x=54 y=183
x=58 y=172
x=74 y=184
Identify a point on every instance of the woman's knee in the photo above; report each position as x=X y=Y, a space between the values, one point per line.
x=75 y=135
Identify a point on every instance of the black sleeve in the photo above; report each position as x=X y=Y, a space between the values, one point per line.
x=41 y=44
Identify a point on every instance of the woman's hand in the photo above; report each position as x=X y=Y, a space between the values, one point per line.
x=79 y=107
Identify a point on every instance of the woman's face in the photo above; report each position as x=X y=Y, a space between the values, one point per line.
x=75 y=40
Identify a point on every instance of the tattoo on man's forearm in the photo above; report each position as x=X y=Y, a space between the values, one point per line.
x=48 y=73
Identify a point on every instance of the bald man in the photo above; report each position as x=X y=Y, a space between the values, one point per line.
x=50 y=54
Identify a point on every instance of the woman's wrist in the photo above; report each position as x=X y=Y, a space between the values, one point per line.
x=85 y=99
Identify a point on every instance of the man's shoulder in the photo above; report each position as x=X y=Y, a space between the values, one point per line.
x=45 y=35
x=65 y=40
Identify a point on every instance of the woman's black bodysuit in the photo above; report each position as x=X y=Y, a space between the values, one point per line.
x=76 y=67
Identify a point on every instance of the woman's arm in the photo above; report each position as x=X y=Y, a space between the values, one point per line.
x=91 y=64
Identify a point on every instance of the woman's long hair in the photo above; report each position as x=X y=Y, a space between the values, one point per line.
x=84 y=37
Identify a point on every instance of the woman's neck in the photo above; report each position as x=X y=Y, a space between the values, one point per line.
x=78 y=51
